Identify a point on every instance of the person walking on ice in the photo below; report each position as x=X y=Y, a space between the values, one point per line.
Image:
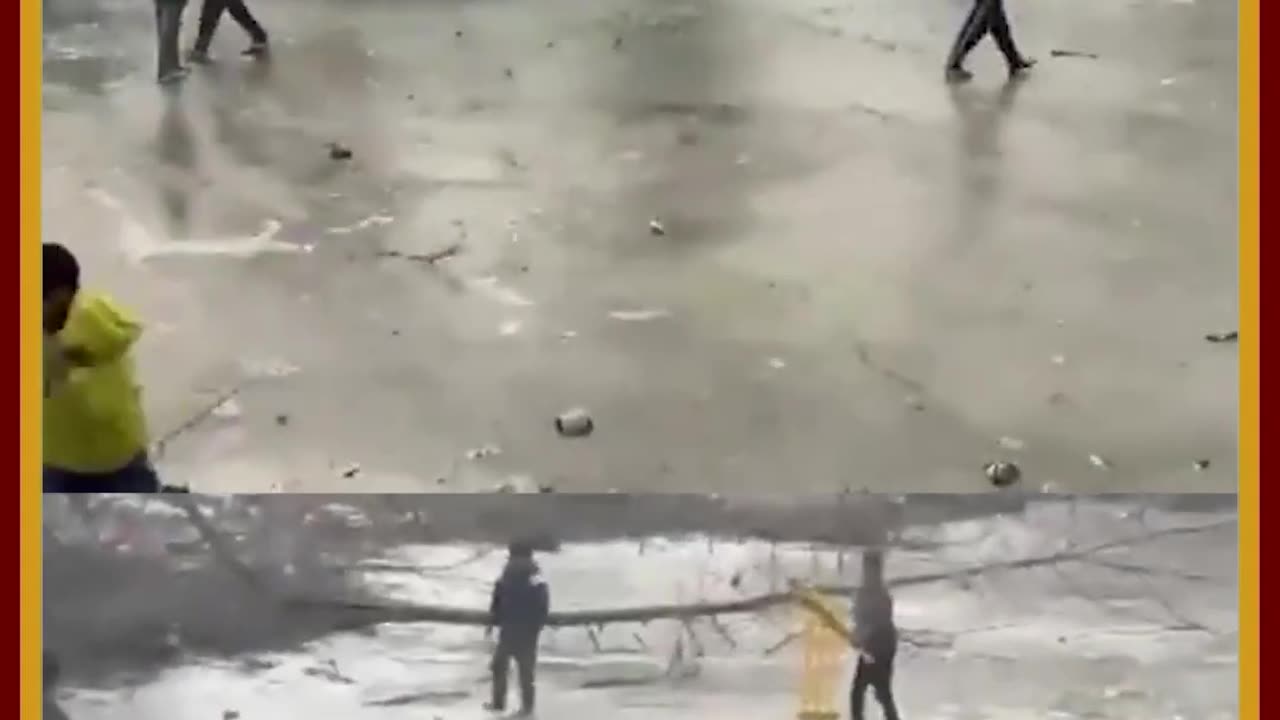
x=211 y=14
x=875 y=637
x=986 y=16
x=519 y=608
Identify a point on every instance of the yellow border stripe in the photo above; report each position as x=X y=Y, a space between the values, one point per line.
x=29 y=369
x=1249 y=495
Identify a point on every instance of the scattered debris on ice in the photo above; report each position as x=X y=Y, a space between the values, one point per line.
x=576 y=422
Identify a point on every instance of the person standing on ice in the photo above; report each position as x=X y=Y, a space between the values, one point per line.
x=519 y=608
x=875 y=637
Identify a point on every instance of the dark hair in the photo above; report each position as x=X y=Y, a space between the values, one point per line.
x=520 y=549
x=873 y=559
x=61 y=270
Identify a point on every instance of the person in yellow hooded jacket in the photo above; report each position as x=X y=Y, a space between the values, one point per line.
x=95 y=433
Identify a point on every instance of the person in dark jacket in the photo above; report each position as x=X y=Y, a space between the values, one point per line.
x=211 y=14
x=519 y=607
x=875 y=636
x=986 y=16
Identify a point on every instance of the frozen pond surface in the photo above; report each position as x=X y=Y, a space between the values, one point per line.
x=1144 y=630
x=863 y=278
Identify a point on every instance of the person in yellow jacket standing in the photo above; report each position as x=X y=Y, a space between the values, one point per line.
x=95 y=433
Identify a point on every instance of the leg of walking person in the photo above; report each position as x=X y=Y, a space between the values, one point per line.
x=257 y=35
x=858 y=693
x=1003 y=35
x=210 y=15
x=168 y=31
x=976 y=25
x=139 y=476
x=882 y=684
x=499 y=666
x=526 y=669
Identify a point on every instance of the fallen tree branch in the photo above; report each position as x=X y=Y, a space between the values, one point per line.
x=429 y=258
x=1151 y=571
x=204 y=413
x=221 y=550
x=1062 y=556
x=785 y=641
x=722 y=631
x=377 y=612
x=387 y=566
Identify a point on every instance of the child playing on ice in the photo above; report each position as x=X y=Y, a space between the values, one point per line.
x=95 y=435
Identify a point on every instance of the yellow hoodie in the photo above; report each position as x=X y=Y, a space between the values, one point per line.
x=93 y=420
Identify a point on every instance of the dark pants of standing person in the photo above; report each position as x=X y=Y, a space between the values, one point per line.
x=211 y=14
x=986 y=16
x=168 y=32
x=878 y=676
x=139 y=476
x=524 y=652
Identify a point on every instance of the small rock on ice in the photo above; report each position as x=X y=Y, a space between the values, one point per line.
x=574 y=423
x=1012 y=443
x=638 y=315
x=1002 y=474
x=483 y=451
x=228 y=409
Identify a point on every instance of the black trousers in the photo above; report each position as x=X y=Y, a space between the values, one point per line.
x=138 y=476
x=168 y=31
x=878 y=676
x=211 y=14
x=524 y=652
x=986 y=16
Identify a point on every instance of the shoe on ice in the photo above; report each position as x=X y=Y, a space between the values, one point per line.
x=172 y=77
x=257 y=49
x=1021 y=67
x=957 y=74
